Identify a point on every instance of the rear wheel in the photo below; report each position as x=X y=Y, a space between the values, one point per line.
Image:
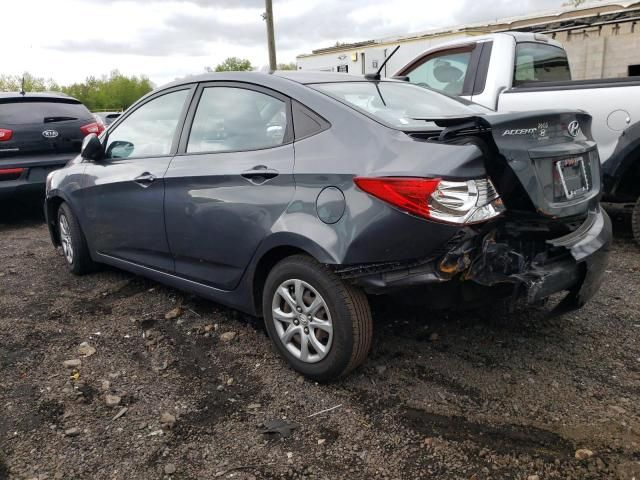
x=321 y=325
x=635 y=221
x=73 y=243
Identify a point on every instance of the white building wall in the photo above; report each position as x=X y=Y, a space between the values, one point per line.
x=353 y=58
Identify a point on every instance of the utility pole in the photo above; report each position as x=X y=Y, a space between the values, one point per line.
x=268 y=16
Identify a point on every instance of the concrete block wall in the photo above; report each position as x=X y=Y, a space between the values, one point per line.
x=602 y=52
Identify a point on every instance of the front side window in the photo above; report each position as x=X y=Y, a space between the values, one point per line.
x=149 y=130
x=445 y=72
x=398 y=104
x=233 y=119
x=539 y=62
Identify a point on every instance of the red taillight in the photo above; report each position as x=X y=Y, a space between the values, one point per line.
x=5 y=134
x=10 y=173
x=94 y=127
x=455 y=202
x=409 y=194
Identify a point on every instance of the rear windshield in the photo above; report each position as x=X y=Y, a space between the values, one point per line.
x=398 y=104
x=538 y=62
x=23 y=113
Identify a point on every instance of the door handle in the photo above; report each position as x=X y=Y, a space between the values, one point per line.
x=260 y=174
x=145 y=179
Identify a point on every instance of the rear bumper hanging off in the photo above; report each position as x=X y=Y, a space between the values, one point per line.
x=573 y=263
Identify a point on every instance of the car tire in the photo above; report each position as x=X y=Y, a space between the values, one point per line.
x=331 y=317
x=635 y=221
x=74 y=245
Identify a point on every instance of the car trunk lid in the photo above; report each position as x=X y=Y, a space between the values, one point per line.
x=551 y=158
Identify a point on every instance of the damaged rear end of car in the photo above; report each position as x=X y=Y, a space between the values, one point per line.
x=529 y=223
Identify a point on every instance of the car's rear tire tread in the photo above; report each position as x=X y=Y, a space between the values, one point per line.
x=82 y=262
x=635 y=221
x=363 y=324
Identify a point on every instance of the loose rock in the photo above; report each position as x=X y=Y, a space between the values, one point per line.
x=169 y=469
x=173 y=313
x=73 y=363
x=167 y=420
x=86 y=350
x=72 y=432
x=228 y=336
x=112 y=400
x=583 y=453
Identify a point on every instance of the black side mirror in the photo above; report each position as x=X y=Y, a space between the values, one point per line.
x=92 y=148
x=120 y=149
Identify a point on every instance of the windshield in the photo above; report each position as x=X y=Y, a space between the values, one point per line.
x=399 y=104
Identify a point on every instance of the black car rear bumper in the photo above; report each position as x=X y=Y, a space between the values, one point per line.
x=33 y=179
x=573 y=263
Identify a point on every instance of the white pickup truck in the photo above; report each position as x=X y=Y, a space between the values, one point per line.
x=516 y=71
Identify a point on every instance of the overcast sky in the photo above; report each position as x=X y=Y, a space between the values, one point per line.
x=68 y=40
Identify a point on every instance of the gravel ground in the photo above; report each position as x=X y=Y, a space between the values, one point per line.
x=168 y=395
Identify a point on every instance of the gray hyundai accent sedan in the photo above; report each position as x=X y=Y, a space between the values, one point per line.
x=293 y=196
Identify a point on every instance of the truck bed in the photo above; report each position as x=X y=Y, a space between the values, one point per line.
x=576 y=84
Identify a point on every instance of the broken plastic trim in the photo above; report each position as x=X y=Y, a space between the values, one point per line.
x=478 y=255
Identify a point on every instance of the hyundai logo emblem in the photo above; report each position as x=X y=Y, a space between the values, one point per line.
x=50 y=134
x=574 y=128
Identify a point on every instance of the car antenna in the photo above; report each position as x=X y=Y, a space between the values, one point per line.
x=22 y=92
x=376 y=76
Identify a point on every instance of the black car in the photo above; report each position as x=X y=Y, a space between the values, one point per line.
x=294 y=195
x=107 y=118
x=39 y=132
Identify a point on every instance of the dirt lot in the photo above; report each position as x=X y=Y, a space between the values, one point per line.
x=442 y=396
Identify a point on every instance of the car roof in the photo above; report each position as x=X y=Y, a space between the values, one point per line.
x=310 y=76
x=32 y=96
x=269 y=78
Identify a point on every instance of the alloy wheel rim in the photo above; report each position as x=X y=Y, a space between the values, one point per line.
x=302 y=320
x=65 y=239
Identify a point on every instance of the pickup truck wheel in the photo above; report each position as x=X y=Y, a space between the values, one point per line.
x=635 y=221
x=73 y=242
x=319 y=324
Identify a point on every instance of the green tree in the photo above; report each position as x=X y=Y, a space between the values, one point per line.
x=31 y=83
x=113 y=92
x=234 y=64
x=287 y=66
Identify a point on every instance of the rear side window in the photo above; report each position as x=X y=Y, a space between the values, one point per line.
x=233 y=119
x=306 y=122
x=539 y=62
x=445 y=72
x=25 y=113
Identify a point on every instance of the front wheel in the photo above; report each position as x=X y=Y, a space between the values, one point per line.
x=635 y=221
x=73 y=243
x=319 y=324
